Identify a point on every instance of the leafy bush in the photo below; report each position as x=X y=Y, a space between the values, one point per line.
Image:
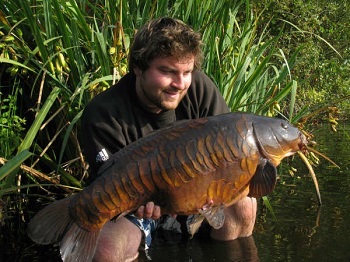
x=320 y=28
x=59 y=54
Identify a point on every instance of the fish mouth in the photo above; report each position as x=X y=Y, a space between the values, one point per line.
x=303 y=143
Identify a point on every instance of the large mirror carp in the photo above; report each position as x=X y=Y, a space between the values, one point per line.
x=193 y=167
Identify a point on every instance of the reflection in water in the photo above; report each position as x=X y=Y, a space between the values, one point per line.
x=172 y=247
x=242 y=249
x=302 y=231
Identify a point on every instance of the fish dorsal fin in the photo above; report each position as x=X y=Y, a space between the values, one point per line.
x=213 y=214
x=264 y=179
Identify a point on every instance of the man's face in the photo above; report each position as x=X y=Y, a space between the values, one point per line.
x=166 y=81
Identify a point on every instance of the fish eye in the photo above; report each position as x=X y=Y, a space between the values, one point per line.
x=284 y=125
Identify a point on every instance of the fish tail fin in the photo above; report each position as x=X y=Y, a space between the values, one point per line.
x=54 y=225
x=49 y=224
x=78 y=244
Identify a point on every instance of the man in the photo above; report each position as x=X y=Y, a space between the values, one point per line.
x=164 y=85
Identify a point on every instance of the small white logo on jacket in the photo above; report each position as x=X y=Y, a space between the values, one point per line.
x=102 y=156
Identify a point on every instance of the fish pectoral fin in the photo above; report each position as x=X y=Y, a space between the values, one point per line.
x=214 y=215
x=264 y=179
x=194 y=224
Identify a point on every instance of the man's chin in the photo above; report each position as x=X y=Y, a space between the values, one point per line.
x=170 y=107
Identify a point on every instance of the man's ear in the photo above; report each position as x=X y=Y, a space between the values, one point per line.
x=137 y=71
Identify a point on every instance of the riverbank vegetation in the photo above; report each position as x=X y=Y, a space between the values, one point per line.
x=286 y=58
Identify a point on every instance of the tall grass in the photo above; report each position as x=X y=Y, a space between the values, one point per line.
x=58 y=54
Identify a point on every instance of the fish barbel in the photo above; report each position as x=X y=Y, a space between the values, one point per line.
x=193 y=167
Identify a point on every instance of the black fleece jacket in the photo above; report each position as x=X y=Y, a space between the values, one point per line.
x=114 y=118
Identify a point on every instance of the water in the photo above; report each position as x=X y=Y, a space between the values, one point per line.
x=301 y=230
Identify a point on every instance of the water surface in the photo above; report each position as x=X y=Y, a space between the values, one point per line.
x=300 y=231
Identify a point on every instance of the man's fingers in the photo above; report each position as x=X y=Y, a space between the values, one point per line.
x=156 y=212
x=139 y=212
x=150 y=210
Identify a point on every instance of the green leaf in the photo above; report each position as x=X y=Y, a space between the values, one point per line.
x=293 y=95
x=67 y=135
x=33 y=130
x=13 y=62
x=269 y=207
x=10 y=169
x=14 y=163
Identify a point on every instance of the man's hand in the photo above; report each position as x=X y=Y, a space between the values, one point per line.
x=150 y=210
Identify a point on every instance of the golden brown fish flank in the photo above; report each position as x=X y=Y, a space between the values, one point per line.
x=192 y=166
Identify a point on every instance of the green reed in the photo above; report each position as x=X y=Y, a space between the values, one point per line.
x=59 y=54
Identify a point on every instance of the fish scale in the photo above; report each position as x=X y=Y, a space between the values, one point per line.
x=164 y=176
x=193 y=167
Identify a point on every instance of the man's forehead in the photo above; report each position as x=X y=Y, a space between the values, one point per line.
x=174 y=61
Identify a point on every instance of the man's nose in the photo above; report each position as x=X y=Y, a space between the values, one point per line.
x=178 y=82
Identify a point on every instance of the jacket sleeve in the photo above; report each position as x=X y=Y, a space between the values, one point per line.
x=101 y=136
